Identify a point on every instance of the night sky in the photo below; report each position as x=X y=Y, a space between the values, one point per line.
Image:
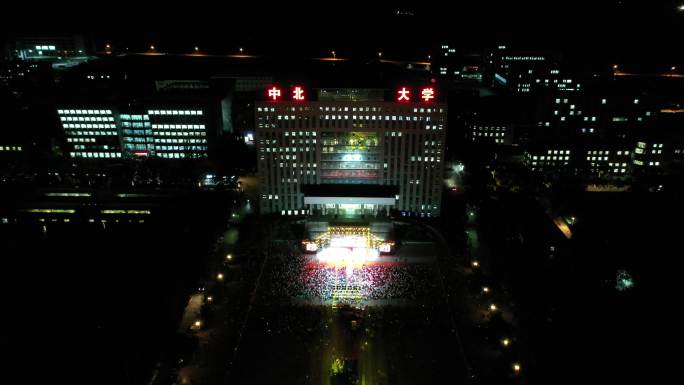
x=634 y=31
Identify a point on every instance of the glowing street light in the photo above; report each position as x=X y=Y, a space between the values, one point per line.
x=219 y=276
x=108 y=46
x=379 y=54
x=680 y=8
x=505 y=342
x=615 y=66
x=151 y=47
x=198 y=324
x=210 y=298
x=334 y=55
x=492 y=307
x=516 y=368
x=196 y=48
x=241 y=50
x=475 y=263
x=485 y=289
x=229 y=257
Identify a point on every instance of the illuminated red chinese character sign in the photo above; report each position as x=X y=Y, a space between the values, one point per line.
x=403 y=94
x=274 y=93
x=298 y=93
x=427 y=94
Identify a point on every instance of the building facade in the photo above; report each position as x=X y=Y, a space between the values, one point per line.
x=350 y=155
x=162 y=131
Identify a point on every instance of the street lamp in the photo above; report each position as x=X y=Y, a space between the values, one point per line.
x=229 y=257
x=198 y=323
x=475 y=264
x=151 y=47
x=219 y=276
x=485 y=289
x=492 y=307
x=505 y=342
x=210 y=298
x=196 y=48
x=379 y=54
x=334 y=55
x=516 y=368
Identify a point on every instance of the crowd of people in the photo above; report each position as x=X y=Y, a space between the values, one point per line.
x=297 y=276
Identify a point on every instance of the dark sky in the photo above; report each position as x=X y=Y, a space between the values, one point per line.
x=638 y=30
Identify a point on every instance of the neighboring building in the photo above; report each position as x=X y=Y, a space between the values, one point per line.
x=90 y=132
x=62 y=51
x=501 y=134
x=609 y=162
x=649 y=155
x=526 y=72
x=453 y=65
x=351 y=152
x=548 y=158
x=171 y=131
x=179 y=133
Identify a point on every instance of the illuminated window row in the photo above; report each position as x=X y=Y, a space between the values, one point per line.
x=181 y=148
x=84 y=112
x=179 y=155
x=95 y=154
x=180 y=140
x=180 y=126
x=174 y=112
x=137 y=212
x=10 y=148
x=180 y=133
x=104 y=125
x=51 y=211
x=535 y=157
x=86 y=118
x=93 y=133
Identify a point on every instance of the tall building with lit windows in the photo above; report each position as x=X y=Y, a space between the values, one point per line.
x=170 y=131
x=90 y=132
x=351 y=152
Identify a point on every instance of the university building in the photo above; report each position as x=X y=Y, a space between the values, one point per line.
x=351 y=152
